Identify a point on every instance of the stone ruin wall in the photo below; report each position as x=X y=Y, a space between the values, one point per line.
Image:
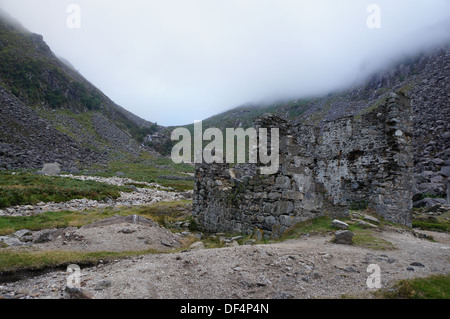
x=350 y=163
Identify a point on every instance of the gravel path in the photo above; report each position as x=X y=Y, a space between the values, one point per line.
x=302 y=268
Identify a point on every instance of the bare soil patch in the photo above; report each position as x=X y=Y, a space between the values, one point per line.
x=117 y=234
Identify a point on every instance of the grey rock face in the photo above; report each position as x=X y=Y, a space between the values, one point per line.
x=29 y=141
x=445 y=171
x=371 y=219
x=343 y=237
x=429 y=202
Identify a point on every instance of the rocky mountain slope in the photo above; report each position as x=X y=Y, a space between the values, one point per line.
x=51 y=113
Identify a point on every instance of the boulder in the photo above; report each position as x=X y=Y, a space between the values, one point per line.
x=436 y=179
x=49 y=236
x=436 y=189
x=371 y=219
x=232 y=244
x=445 y=171
x=10 y=241
x=77 y=293
x=339 y=224
x=364 y=224
x=437 y=161
x=343 y=237
x=429 y=202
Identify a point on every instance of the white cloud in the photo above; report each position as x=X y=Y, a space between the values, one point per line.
x=174 y=61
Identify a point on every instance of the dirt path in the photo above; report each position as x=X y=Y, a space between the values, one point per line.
x=302 y=268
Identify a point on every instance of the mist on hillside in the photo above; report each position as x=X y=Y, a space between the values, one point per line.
x=176 y=61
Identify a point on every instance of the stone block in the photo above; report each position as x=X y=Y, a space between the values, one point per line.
x=51 y=169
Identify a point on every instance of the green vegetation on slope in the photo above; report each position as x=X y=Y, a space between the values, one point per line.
x=30 y=189
x=431 y=287
x=162 y=171
x=31 y=72
x=37 y=77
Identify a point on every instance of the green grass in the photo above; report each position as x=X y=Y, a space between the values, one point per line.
x=439 y=223
x=431 y=287
x=30 y=189
x=427 y=195
x=9 y=225
x=162 y=212
x=439 y=227
x=29 y=260
x=322 y=225
x=372 y=107
x=368 y=239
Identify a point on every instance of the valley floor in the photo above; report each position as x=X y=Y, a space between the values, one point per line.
x=145 y=260
x=308 y=267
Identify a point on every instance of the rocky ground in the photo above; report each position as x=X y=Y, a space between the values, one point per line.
x=132 y=233
x=308 y=267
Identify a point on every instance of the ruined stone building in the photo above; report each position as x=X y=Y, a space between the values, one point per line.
x=350 y=163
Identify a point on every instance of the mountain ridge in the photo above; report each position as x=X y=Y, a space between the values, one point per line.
x=38 y=85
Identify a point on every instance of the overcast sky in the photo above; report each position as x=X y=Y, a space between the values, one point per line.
x=176 y=61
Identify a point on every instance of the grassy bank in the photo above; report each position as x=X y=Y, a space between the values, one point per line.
x=439 y=223
x=431 y=287
x=153 y=170
x=23 y=188
x=162 y=212
x=28 y=260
